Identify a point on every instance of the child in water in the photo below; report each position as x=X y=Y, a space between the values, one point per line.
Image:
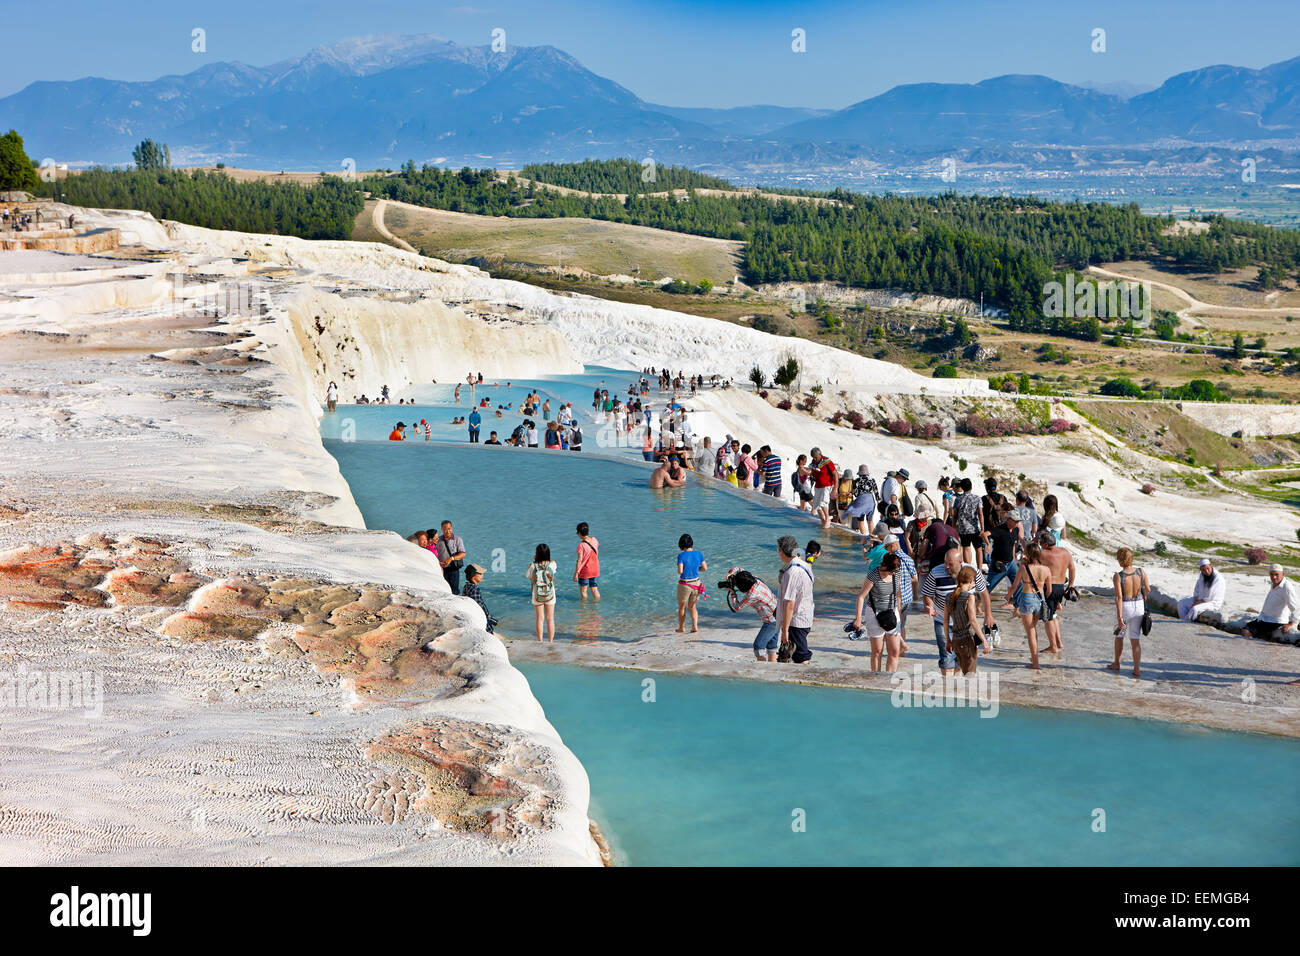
x=811 y=551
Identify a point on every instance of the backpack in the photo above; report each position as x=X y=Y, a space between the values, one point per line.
x=741 y=471
x=543 y=583
x=966 y=512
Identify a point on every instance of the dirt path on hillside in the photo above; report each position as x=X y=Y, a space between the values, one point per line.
x=377 y=217
x=1193 y=304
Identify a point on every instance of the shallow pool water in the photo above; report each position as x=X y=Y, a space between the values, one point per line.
x=505 y=501
x=437 y=404
x=714 y=772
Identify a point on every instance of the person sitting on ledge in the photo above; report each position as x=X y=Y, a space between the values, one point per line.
x=1281 y=610
x=1206 y=596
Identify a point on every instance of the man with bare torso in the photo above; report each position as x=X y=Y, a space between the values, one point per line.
x=1061 y=562
x=668 y=475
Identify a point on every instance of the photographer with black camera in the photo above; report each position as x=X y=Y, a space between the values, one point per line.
x=745 y=590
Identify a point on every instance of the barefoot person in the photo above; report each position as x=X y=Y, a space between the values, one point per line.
x=1033 y=580
x=1061 y=561
x=1131 y=590
x=883 y=590
x=587 y=570
x=1207 y=595
x=960 y=631
x=689 y=588
x=541 y=575
x=332 y=396
x=450 y=552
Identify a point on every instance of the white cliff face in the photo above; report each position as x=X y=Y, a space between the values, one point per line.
x=170 y=522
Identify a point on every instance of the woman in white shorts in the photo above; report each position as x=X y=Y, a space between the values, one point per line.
x=541 y=575
x=882 y=590
x=1131 y=590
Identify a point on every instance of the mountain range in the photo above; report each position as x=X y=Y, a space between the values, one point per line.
x=381 y=100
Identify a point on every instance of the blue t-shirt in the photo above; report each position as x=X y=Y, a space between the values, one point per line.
x=690 y=562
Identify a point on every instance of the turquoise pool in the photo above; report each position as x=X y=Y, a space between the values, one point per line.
x=504 y=501
x=437 y=404
x=712 y=771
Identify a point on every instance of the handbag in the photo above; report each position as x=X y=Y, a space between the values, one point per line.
x=888 y=618
x=1047 y=613
x=1146 y=611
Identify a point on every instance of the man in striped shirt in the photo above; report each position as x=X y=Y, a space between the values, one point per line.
x=940 y=583
x=770 y=467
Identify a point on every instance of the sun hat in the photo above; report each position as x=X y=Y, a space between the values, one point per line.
x=904 y=474
x=863 y=470
x=921 y=485
x=1276 y=568
x=1205 y=562
x=891 y=539
x=473 y=569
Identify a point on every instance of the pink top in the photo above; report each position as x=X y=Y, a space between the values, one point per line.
x=589 y=558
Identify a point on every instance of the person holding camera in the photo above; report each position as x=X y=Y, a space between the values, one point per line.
x=450 y=551
x=745 y=590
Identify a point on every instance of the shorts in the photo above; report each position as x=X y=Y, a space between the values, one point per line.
x=1029 y=603
x=767 y=639
x=773 y=490
x=819 y=497
x=972 y=540
x=543 y=603
x=589 y=582
x=685 y=594
x=1264 y=628
x=1131 y=611
x=1055 y=598
x=805 y=496
x=873 y=628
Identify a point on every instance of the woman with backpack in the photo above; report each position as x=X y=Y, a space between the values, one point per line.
x=882 y=591
x=1131 y=590
x=541 y=575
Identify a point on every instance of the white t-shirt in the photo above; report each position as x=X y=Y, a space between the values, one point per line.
x=332 y=393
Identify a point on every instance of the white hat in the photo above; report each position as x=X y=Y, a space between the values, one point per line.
x=1272 y=568
x=1205 y=562
x=1057 y=521
x=891 y=539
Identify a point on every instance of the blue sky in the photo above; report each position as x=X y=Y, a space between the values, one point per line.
x=682 y=53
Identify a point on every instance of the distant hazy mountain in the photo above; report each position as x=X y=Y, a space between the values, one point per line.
x=381 y=100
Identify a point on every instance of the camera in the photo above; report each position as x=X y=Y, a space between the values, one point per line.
x=737 y=584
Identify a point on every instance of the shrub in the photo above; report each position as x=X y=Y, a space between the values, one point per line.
x=935 y=430
x=785 y=404
x=1122 y=387
x=1161 y=548
x=961 y=464
x=944 y=371
x=900 y=427
x=810 y=403
x=762 y=393
x=855 y=419
x=758 y=377
x=1058 y=425
x=1148 y=489
x=1256 y=556
x=839 y=417
x=1074 y=486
